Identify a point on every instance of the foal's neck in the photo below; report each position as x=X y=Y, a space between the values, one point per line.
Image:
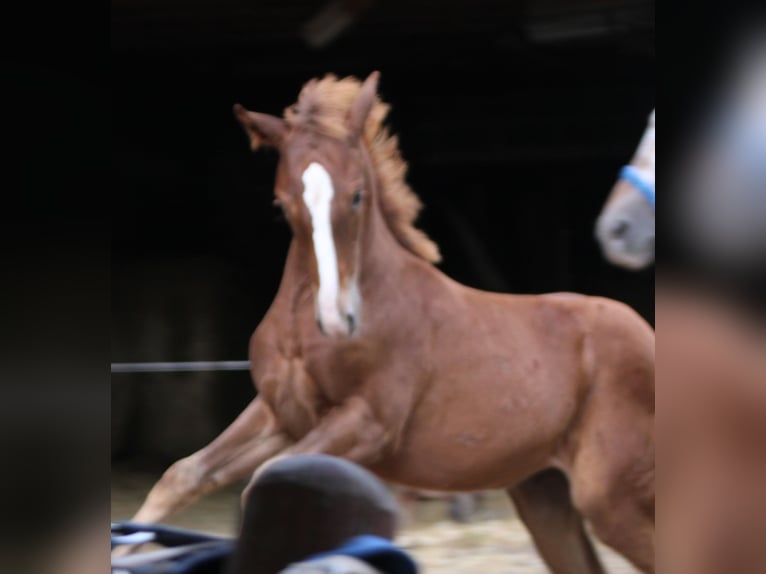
x=381 y=252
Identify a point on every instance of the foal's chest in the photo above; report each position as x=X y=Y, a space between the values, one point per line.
x=310 y=373
x=295 y=399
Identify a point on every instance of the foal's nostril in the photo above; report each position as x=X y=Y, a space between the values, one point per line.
x=619 y=229
x=320 y=327
x=351 y=323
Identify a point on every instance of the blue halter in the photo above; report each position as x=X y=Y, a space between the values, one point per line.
x=634 y=177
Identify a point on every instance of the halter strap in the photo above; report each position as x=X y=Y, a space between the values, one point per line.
x=634 y=176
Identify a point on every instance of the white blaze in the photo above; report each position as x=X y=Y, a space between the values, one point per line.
x=318 y=193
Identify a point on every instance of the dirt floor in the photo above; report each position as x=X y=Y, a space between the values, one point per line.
x=493 y=542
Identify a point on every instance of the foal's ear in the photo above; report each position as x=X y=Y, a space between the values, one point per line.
x=362 y=105
x=262 y=129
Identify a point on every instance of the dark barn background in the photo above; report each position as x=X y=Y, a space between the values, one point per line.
x=514 y=116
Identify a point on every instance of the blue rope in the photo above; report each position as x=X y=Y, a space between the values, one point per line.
x=634 y=177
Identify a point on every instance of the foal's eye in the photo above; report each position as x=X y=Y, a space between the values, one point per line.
x=356 y=201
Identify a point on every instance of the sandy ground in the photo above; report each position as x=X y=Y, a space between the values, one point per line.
x=494 y=542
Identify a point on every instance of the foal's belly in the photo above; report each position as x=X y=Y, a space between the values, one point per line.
x=445 y=471
x=489 y=454
x=481 y=430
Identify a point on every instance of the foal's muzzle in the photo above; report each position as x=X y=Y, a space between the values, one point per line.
x=347 y=330
x=339 y=317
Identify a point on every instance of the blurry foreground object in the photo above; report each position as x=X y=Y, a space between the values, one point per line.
x=711 y=434
x=304 y=514
x=360 y=555
x=303 y=506
x=711 y=338
x=721 y=205
x=79 y=549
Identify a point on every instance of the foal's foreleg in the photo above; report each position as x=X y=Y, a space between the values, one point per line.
x=250 y=440
x=350 y=431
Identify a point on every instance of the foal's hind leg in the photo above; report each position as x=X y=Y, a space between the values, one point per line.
x=618 y=502
x=613 y=479
x=545 y=506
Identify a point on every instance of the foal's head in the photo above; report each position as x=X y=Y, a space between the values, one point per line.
x=625 y=227
x=323 y=186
